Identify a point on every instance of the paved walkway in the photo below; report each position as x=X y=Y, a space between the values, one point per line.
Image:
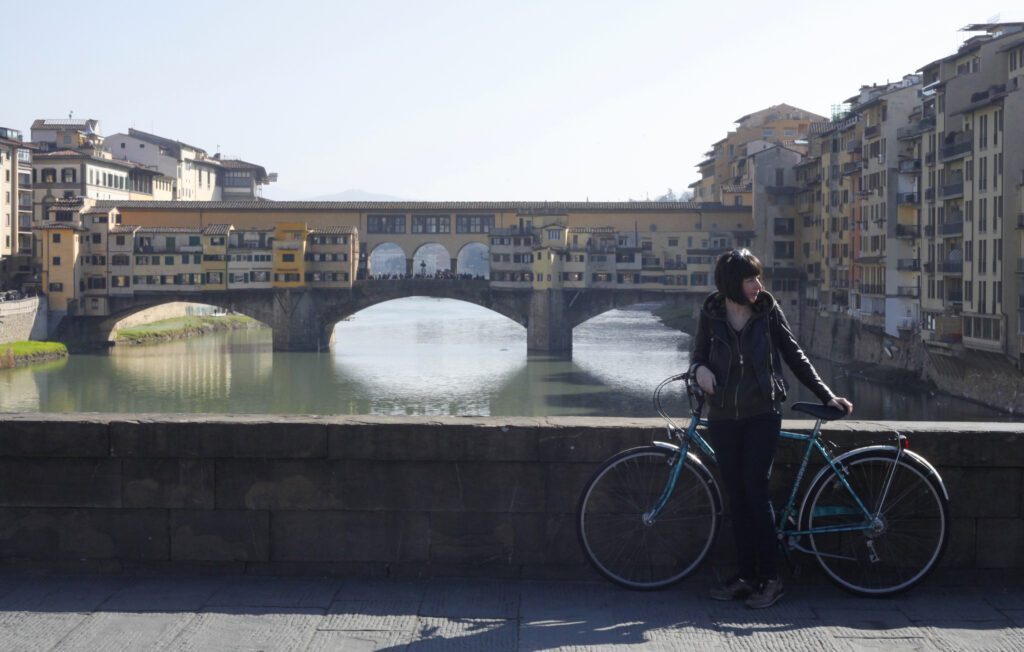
x=80 y=613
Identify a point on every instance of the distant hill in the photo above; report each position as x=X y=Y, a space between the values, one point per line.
x=356 y=195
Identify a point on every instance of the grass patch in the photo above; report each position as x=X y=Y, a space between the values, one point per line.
x=675 y=316
x=183 y=326
x=16 y=354
x=29 y=348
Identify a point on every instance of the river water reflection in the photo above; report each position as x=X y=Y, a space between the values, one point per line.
x=415 y=356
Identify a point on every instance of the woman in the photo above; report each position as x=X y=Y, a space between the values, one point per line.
x=742 y=337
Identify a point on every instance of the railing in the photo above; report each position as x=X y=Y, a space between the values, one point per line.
x=851 y=167
x=951 y=228
x=908 y=264
x=960 y=146
x=784 y=229
x=853 y=146
x=950 y=190
x=872 y=131
x=955 y=296
x=922 y=125
x=951 y=268
x=929 y=267
x=929 y=230
x=910 y=165
x=907 y=291
x=866 y=288
x=908 y=198
x=907 y=231
x=929 y=158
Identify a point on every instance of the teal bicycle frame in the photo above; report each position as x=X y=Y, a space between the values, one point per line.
x=788 y=514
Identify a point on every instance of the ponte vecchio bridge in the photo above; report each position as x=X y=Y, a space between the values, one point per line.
x=300 y=267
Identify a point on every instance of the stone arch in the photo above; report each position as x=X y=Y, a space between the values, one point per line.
x=474 y=259
x=589 y=305
x=431 y=258
x=97 y=330
x=387 y=258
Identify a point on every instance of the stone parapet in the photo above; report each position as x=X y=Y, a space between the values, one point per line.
x=390 y=495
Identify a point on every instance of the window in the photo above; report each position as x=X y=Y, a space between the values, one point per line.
x=474 y=223
x=97 y=238
x=56 y=287
x=67 y=175
x=431 y=224
x=288 y=258
x=56 y=238
x=56 y=260
x=385 y=223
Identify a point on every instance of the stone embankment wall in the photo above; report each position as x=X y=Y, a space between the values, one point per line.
x=987 y=378
x=387 y=496
x=23 y=319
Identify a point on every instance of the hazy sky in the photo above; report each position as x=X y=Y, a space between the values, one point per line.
x=460 y=100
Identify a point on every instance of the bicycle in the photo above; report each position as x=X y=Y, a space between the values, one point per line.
x=876 y=518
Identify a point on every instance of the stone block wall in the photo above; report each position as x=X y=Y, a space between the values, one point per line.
x=386 y=495
x=24 y=319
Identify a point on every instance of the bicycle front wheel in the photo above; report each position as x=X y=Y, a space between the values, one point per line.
x=903 y=541
x=615 y=529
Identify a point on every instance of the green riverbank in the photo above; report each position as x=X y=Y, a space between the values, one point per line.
x=17 y=354
x=182 y=327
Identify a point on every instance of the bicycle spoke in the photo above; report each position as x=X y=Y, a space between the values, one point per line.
x=906 y=537
x=640 y=554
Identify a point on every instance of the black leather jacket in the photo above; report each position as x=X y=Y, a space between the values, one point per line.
x=769 y=340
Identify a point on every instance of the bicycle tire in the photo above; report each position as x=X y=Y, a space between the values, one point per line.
x=908 y=539
x=647 y=556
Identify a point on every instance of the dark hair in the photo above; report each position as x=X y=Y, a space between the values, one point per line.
x=734 y=267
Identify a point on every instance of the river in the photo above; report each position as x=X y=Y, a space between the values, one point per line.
x=415 y=356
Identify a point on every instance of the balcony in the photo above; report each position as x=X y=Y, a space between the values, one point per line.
x=929 y=194
x=784 y=229
x=952 y=190
x=910 y=131
x=951 y=267
x=929 y=267
x=910 y=166
x=851 y=167
x=929 y=158
x=853 y=146
x=951 y=228
x=908 y=198
x=910 y=291
x=958 y=146
x=908 y=265
x=955 y=296
x=907 y=231
x=868 y=288
x=872 y=131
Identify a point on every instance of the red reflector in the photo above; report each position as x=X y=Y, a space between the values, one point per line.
x=906 y=443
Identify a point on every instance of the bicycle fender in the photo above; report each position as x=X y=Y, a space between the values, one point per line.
x=885 y=449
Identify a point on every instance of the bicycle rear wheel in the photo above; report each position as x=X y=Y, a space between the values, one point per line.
x=644 y=554
x=904 y=542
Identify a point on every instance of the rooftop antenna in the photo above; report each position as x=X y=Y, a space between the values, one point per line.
x=71 y=113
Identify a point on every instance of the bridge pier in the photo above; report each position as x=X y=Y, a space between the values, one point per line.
x=548 y=328
x=297 y=322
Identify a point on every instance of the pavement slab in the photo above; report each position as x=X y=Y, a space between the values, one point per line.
x=312 y=614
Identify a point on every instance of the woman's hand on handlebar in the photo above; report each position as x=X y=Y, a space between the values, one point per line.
x=840 y=403
x=705 y=379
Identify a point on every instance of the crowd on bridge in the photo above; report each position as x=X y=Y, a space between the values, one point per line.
x=14 y=295
x=440 y=275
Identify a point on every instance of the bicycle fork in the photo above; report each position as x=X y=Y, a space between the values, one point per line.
x=675 y=461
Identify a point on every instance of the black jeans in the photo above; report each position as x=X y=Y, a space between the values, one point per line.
x=745 y=450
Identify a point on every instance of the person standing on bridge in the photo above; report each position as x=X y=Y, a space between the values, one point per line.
x=742 y=337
